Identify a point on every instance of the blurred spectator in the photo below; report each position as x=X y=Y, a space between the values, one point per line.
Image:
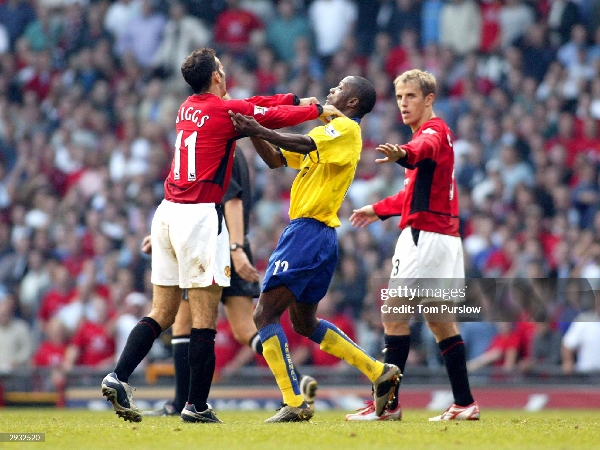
x=44 y=32
x=537 y=52
x=351 y=287
x=84 y=29
x=460 y=26
x=515 y=18
x=83 y=305
x=567 y=54
x=15 y=15
x=183 y=33
x=329 y=35
x=15 y=336
x=506 y=349
x=4 y=40
x=563 y=15
x=13 y=265
x=59 y=294
x=119 y=14
x=406 y=15
x=580 y=343
x=285 y=29
x=546 y=345
x=33 y=285
x=234 y=28
x=368 y=11
x=92 y=345
x=490 y=26
x=430 y=21
x=51 y=351
x=142 y=34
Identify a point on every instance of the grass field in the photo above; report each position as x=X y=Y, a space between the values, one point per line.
x=77 y=429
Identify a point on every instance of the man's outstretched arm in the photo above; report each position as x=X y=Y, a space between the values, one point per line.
x=248 y=126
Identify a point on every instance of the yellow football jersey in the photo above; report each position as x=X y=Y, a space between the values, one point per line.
x=325 y=173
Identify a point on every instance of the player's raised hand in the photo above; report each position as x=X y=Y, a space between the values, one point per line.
x=363 y=217
x=308 y=101
x=147 y=245
x=245 y=124
x=244 y=267
x=391 y=152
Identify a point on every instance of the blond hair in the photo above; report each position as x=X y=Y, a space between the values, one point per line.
x=425 y=80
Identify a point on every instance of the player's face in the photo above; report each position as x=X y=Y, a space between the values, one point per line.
x=413 y=105
x=223 y=82
x=339 y=95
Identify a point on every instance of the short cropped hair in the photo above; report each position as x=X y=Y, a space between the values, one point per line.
x=425 y=80
x=365 y=91
x=197 y=69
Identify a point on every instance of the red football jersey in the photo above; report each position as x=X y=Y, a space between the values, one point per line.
x=205 y=142
x=94 y=343
x=49 y=354
x=429 y=200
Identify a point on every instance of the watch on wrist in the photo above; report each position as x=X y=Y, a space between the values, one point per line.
x=233 y=247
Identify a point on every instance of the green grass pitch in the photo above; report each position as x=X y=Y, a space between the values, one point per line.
x=77 y=429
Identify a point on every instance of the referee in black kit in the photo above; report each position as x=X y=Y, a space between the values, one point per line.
x=238 y=298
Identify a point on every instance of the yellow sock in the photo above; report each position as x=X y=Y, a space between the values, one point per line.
x=333 y=341
x=277 y=354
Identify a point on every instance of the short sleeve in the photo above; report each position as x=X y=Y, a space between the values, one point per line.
x=336 y=142
x=293 y=160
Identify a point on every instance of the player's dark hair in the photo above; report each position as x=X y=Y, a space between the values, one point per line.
x=197 y=69
x=365 y=91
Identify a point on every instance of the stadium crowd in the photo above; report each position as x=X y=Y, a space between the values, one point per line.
x=89 y=91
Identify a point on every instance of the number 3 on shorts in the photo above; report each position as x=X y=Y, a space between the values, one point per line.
x=279 y=263
x=396 y=264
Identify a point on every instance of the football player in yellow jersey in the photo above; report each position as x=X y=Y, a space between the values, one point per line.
x=301 y=267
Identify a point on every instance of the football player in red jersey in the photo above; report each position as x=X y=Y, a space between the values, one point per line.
x=429 y=249
x=190 y=242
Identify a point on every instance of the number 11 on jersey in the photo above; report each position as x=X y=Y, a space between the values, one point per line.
x=190 y=145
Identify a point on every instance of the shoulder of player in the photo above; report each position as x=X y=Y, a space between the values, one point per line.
x=343 y=124
x=435 y=125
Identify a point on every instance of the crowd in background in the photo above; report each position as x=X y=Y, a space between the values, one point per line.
x=89 y=91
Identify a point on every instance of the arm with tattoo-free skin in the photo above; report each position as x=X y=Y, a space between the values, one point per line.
x=298 y=143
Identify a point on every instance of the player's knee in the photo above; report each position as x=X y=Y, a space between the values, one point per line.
x=396 y=328
x=242 y=336
x=165 y=317
x=259 y=318
x=443 y=330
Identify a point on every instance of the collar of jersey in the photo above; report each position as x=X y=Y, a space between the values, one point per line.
x=356 y=119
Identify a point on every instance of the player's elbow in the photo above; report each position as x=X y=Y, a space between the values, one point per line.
x=274 y=164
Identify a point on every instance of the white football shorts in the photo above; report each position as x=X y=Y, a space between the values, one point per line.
x=436 y=262
x=187 y=249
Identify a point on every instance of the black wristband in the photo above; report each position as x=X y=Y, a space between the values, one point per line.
x=296 y=100
x=319 y=109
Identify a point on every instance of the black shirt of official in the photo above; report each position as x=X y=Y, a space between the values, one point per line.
x=239 y=186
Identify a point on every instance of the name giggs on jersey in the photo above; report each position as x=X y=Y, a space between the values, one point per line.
x=187 y=114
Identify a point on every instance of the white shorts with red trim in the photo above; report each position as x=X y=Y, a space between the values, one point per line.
x=435 y=261
x=187 y=249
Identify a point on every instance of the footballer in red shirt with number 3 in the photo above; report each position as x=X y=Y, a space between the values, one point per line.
x=429 y=250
